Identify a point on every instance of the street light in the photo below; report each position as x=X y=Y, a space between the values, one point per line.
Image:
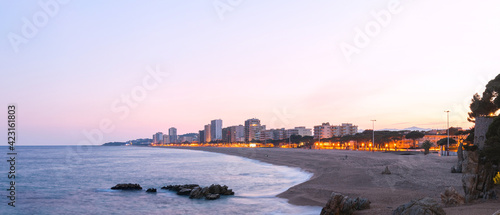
x=373 y=125
x=448 y=132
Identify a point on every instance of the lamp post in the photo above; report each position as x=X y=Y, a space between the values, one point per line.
x=448 y=132
x=373 y=127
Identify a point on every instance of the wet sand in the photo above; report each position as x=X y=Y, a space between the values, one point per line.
x=358 y=173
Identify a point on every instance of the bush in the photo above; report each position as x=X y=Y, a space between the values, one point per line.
x=426 y=145
x=496 y=179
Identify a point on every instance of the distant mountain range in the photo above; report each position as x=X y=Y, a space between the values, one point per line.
x=134 y=142
x=406 y=129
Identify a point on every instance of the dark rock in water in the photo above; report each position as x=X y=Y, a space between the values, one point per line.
x=386 y=171
x=198 y=193
x=151 y=190
x=218 y=189
x=180 y=187
x=184 y=192
x=127 y=187
x=215 y=189
x=339 y=204
x=425 y=206
x=194 y=191
x=212 y=196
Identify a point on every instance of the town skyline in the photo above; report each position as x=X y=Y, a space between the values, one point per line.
x=317 y=132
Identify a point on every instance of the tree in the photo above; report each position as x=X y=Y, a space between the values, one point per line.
x=414 y=135
x=488 y=157
x=308 y=141
x=295 y=138
x=444 y=141
x=492 y=145
x=454 y=131
x=487 y=104
x=426 y=145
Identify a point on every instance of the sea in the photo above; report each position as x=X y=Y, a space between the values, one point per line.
x=77 y=180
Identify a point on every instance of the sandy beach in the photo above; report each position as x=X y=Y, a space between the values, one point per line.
x=358 y=173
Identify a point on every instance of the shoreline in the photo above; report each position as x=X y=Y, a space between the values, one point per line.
x=358 y=173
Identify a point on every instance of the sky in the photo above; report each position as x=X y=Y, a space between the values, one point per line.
x=89 y=72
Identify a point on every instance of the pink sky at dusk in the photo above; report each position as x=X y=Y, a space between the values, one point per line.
x=279 y=61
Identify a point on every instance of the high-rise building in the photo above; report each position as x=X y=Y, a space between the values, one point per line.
x=323 y=131
x=278 y=134
x=233 y=134
x=348 y=129
x=208 y=136
x=303 y=131
x=158 y=137
x=337 y=130
x=327 y=131
x=216 y=129
x=166 y=139
x=201 y=136
x=291 y=132
x=226 y=135
x=238 y=133
x=172 y=133
x=252 y=127
x=273 y=134
x=265 y=135
x=188 y=138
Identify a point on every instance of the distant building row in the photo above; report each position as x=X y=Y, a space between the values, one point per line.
x=326 y=130
x=172 y=137
x=251 y=131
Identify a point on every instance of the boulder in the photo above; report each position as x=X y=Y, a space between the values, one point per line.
x=460 y=155
x=218 y=189
x=386 y=171
x=215 y=189
x=339 y=204
x=450 y=197
x=212 y=196
x=184 y=192
x=477 y=170
x=425 y=206
x=198 y=193
x=151 y=190
x=457 y=168
x=194 y=191
x=477 y=177
x=177 y=188
x=362 y=203
x=127 y=187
